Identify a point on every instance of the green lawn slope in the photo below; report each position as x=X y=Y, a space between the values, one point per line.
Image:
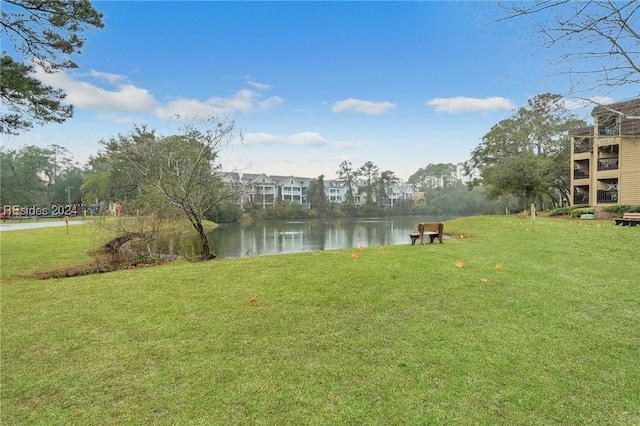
x=507 y=325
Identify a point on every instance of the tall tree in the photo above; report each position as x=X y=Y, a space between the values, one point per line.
x=439 y=175
x=369 y=172
x=66 y=189
x=420 y=179
x=599 y=41
x=348 y=176
x=525 y=155
x=386 y=182
x=104 y=179
x=44 y=34
x=22 y=171
x=317 y=197
x=181 y=169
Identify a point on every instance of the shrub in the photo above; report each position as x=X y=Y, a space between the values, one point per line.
x=562 y=211
x=225 y=212
x=617 y=211
x=620 y=210
x=582 y=210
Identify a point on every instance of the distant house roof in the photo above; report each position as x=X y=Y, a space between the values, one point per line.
x=332 y=183
x=625 y=109
x=257 y=178
x=280 y=180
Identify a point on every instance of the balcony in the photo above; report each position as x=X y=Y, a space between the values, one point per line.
x=608 y=131
x=608 y=164
x=607 y=196
x=582 y=147
x=580 y=198
x=580 y=173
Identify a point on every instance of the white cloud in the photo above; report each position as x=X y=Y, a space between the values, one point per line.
x=298 y=139
x=188 y=108
x=243 y=100
x=464 y=104
x=363 y=107
x=111 y=78
x=118 y=118
x=126 y=97
x=259 y=86
x=270 y=103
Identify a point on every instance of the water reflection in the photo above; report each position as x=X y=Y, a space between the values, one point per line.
x=291 y=236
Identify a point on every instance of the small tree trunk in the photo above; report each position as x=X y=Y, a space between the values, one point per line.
x=206 y=254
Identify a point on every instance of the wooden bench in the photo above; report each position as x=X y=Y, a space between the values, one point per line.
x=629 y=219
x=432 y=230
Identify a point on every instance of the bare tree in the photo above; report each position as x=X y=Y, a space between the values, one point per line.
x=180 y=169
x=599 y=40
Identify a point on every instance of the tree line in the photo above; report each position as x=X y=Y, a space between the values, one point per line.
x=525 y=156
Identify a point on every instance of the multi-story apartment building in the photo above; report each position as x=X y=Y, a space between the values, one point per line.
x=605 y=157
x=265 y=191
x=259 y=190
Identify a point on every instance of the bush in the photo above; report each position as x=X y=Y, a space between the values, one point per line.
x=562 y=211
x=225 y=212
x=582 y=210
x=620 y=210
x=617 y=211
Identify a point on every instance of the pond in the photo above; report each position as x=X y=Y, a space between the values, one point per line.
x=262 y=238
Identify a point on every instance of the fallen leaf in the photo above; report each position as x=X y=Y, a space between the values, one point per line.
x=355 y=255
x=459 y=263
x=499 y=266
x=380 y=248
x=484 y=280
x=253 y=298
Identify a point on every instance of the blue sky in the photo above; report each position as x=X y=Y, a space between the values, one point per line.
x=310 y=84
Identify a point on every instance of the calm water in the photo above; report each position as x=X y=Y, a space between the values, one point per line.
x=292 y=236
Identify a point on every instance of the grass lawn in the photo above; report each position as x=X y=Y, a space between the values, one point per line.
x=509 y=326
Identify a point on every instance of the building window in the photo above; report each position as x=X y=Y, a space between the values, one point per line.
x=609 y=126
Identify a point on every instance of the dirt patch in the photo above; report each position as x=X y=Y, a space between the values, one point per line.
x=95 y=268
x=114 y=255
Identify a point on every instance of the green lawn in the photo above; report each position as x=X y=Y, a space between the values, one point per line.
x=399 y=336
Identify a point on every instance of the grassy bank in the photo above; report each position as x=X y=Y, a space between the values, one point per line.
x=508 y=326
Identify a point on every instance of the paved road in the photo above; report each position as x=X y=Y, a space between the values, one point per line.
x=15 y=225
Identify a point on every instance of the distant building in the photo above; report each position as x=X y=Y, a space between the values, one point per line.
x=265 y=191
x=605 y=157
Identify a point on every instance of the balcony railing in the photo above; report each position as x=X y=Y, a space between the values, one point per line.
x=608 y=130
x=608 y=164
x=582 y=147
x=580 y=199
x=580 y=173
x=607 y=196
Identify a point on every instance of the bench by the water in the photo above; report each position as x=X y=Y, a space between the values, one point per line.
x=629 y=219
x=432 y=230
